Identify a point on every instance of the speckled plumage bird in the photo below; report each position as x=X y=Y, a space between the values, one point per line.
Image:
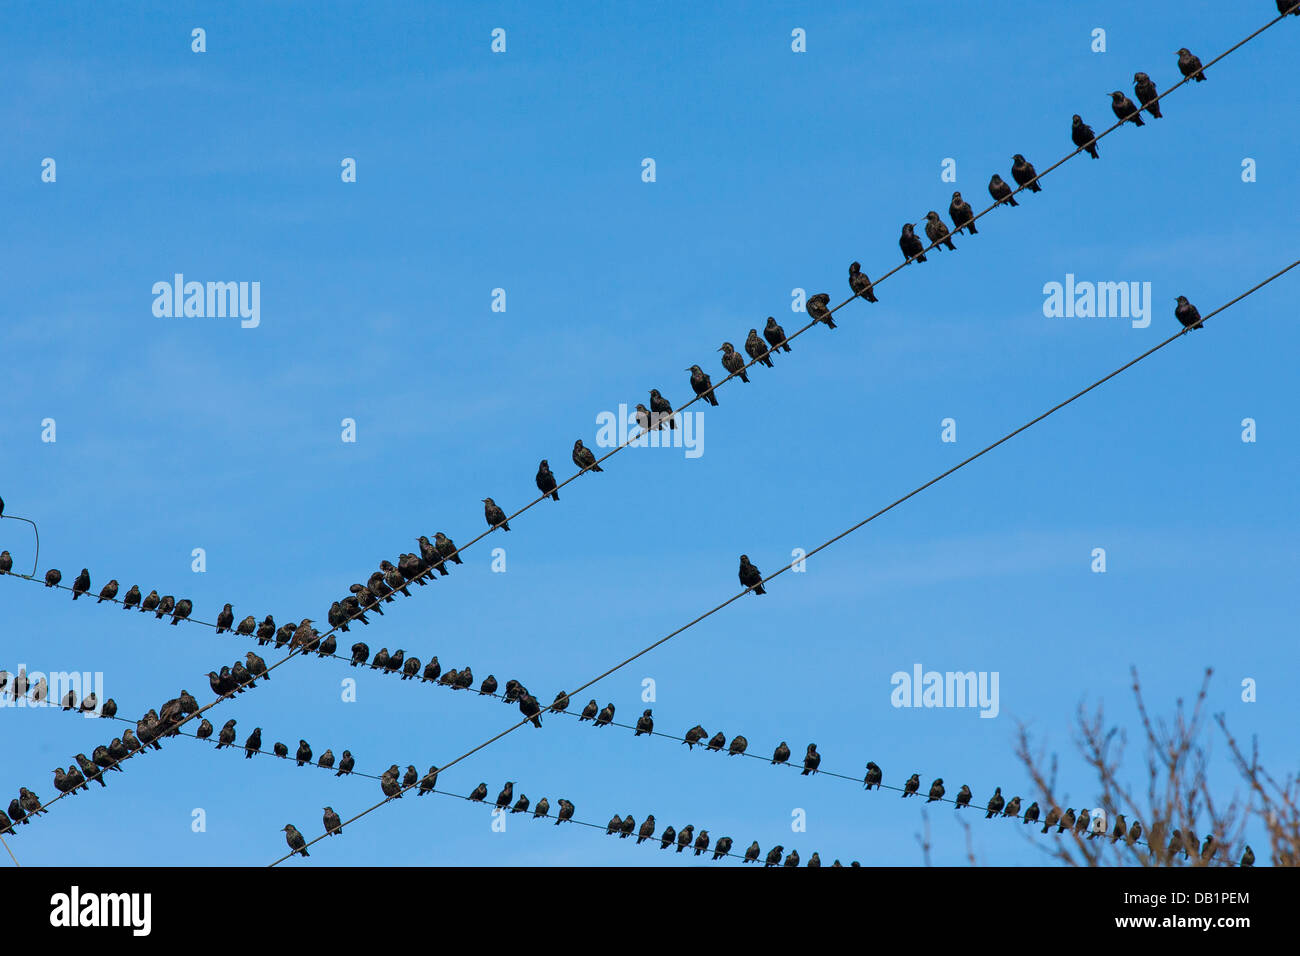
x=751 y=854
x=546 y=483
x=81 y=584
x=667 y=838
x=1067 y=820
x=1187 y=314
x=1124 y=109
x=496 y=518
x=132 y=597
x=108 y=592
x=738 y=746
x=702 y=385
x=532 y=710
x=1023 y=172
x=962 y=215
x=913 y=248
x=183 y=608
x=52 y=577
x=775 y=335
x=253 y=743
x=1081 y=135
x=297 y=844
x=304 y=752
x=685 y=836
x=565 y=812
x=936 y=790
x=732 y=362
x=721 y=848
x=873 y=777
x=166 y=606
x=6 y=562
x=995 y=804
x=1031 y=813
x=717 y=742
x=694 y=736
x=811 y=760
x=1144 y=88
x=781 y=754
x=584 y=457
x=937 y=231
x=1190 y=65
x=226 y=737
x=606 y=716
x=1001 y=192
x=479 y=793
x=346 y=763
x=912 y=785
x=963 y=797
x=860 y=283
x=645 y=724
x=774 y=856
x=818 y=307
x=661 y=410
x=756 y=350
x=330 y=819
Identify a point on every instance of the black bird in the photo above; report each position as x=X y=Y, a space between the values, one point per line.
x=352 y=607
x=266 y=630
x=811 y=760
x=108 y=592
x=912 y=786
x=717 y=741
x=1085 y=818
x=63 y=784
x=6 y=562
x=253 y=743
x=738 y=746
x=685 y=836
x=1190 y=65
x=542 y=808
x=589 y=711
x=89 y=703
x=489 y=685
x=721 y=848
x=479 y=794
x=1049 y=821
x=701 y=384
x=379 y=588
x=391 y=788
x=817 y=308
x=81 y=585
x=1187 y=314
x=756 y=350
x=256 y=666
x=285 y=634
x=775 y=335
x=69 y=701
x=227 y=736
x=1134 y=833
x=394 y=579
x=521 y=805
x=1121 y=827
x=346 y=763
x=561 y=702
x=615 y=824
x=132 y=598
x=1081 y=135
x=565 y=812
x=701 y=842
x=247 y=626
x=1285 y=6
x=546 y=481
x=963 y=798
x=280 y=750
x=629 y=825
x=150 y=602
x=105 y=760
x=751 y=855
x=874 y=775
x=326 y=761
x=1001 y=192
x=1067 y=821
x=447 y=548
x=645 y=724
x=606 y=716
x=792 y=859
x=1124 y=109
x=1145 y=90
x=431 y=669
x=695 y=735
x=428 y=782
x=395 y=661
x=166 y=606
x=1247 y=858
x=109 y=709
x=750 y=576
x=995 y=804
x=732 y=362
x=117 y=750
x=183 y=608
x=584 y=457
x=337 y=617
x=936 y=790
x=961 y=214
x=662 y=410
x=774 y=856
x=360 y=653
x=304 y=752
x=937 y=232
x=859 y=283
x=203 y=733
x=913 y=248
x=496 y=518
x=781 y=754
x=52 y=577
x=381 y=660
x=1023 y=172
x=668 y=837
x=333 y=825
x=295 y=840
x=532 y=710
x=647 y=830
x=225 y=620
x=429 y=554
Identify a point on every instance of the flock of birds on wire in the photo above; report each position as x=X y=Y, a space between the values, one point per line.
x=433 y=557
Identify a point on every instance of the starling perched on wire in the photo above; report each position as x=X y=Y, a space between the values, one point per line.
x=873 y=776
x=606 y=716
x=203 y=733
x=1285 y=6
x=629 y=825
x=395 y=661
x=447 y=548
x=489 y=686
x=431 y=669
x=701 y=384
x=521 y=805
x=30 y=802
x=104 y=760
x=1121 y=827
x=253 y=744
x=352 y=608
x=589 y=711
x=859 y=283
x=738 y=746
x=226 y=619
x=1001 y=192
x=1081 y=135
x=360 y=653
x=561 y=702
x=285 y=634
x=1031 y=814
x=379 y=587
x=1247 y=857
x=304 y=752
x=227 y=736
x=532 y=710
x=132 y=598
x=81 y=585
x=1134 y=833
x=89 y=703
x=6 y=562
x=266 y=630
x=792 y=859
x=701 y=842
x=774 y=856
x=479 y=793
x=962 y=215
x=108 y=592
x=751 y=855
x=912 y=785
x=647 y=830
x=565 y=812
x=337 y=617
x=63 y=784
x=685 y=836
x=1190 y=65
x=750 y=576
x=913 y=248
x=732 y=361
x=721 y=848
x=694 y=736
x=781 y=754
x=667 y=838
x=428 y=782
x=661 y=410
x=615 y=824
x=69 y=701
x=496 y=518
x=280 y=750
x=16 y=814
x=326 y=761
x=775 y=335
x=1053 y=817
x=937 y=232
x=1145 y=91
x=546 y=481
x=256 y=666
x=247 y=626
x=756 y=350
x=1124 y=109
x=817 y=308
x=811 y=760
x=389 y=785
x=394 y=579
x=166 y=606
x=333 y=825
x=346 y=763
x=150 y=602
x=381 y=660
x=52 y=577
x=645 y=724
x=295 y=840
x=1187 y=314
x=963 y=797
x=1081 y=824
x=183 y=608
x=542 y=809
x=584 y=457
x=717 y=742
x=995 y=804
x=1023 y=172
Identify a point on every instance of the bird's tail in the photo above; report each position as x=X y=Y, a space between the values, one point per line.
x=1092 y=151
x=555 y=496
x=1012 y=200
x=971 y=227
x=743 y=377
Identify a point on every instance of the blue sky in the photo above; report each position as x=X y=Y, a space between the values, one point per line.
x=522 y=171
